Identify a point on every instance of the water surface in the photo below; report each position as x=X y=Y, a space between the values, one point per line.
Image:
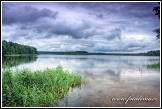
x=105 y=77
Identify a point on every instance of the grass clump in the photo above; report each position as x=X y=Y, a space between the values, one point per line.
x=36 y=88
x=155 y=65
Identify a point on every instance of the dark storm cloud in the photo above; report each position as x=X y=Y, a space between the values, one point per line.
x=116 y=6
x=138 y=9
x=76 y=31
x=93 y=26
x=24 y=14
x=115 y=33
x=135 y=10
x=100 y=16
x=136 y=14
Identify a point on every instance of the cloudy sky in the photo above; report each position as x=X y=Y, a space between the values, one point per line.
x=89 y=26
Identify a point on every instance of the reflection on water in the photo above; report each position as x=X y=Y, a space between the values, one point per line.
x=106 y=77
x=13 y=61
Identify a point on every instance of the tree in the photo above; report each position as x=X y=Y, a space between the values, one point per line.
x=157 y=12
x=157 y=31
x=15 y=48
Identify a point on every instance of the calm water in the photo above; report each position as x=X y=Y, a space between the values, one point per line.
x=105 y=77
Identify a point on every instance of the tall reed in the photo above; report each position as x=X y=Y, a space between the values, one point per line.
x=36 y=88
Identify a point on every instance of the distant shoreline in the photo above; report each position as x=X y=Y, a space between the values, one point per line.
x=150 y=53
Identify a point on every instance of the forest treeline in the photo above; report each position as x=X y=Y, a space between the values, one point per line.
x=149 y=53
x=9 y=48
x=15 y=48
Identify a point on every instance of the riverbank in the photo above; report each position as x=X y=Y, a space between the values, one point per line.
x=26 y=88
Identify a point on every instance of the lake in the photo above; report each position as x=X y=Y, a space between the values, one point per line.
x=106 y=77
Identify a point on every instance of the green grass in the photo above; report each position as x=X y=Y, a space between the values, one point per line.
x=36 y=88
x=155 y=65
